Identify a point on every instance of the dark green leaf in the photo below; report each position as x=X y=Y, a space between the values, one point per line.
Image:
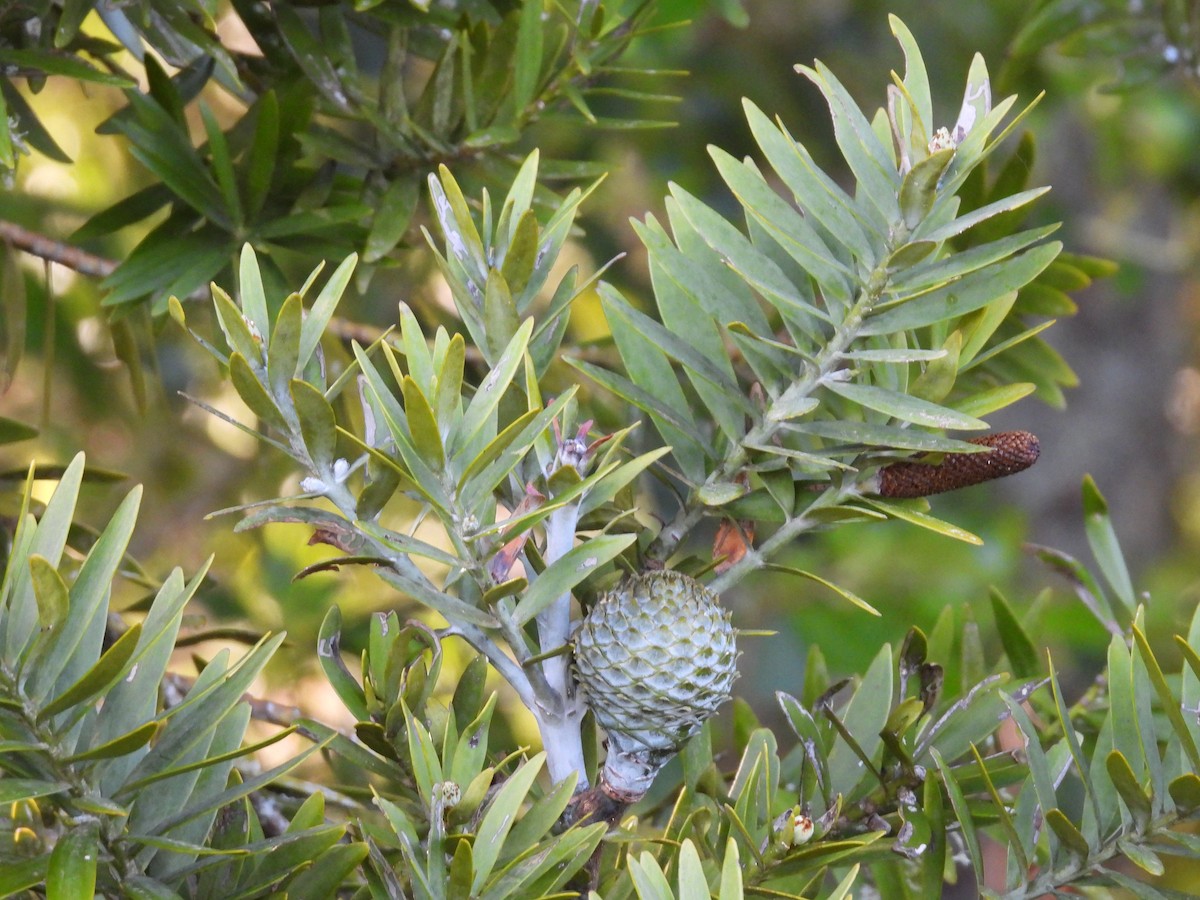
x=392 y=215
x=328 y=871
x=60 y=63
x=283 y=350
x=1070 y=836
x=51 y=592
x=259 y=167
x=329 y=655
x=253 y=394
x=317 y=424
x=222 y=164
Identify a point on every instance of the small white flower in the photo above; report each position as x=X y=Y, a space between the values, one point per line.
x=312 y=485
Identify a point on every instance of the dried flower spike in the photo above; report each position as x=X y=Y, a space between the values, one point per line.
x=1011 y=452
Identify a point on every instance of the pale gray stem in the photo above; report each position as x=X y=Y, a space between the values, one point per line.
x=554 y=622
x=560 y=725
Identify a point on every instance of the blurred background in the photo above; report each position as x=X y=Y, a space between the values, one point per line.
x=1126 y=182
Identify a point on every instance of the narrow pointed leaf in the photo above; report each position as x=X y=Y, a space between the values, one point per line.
x=317 y=422
x=323 y=308
x=903 y=407
x=72 y=871
x=569 y=570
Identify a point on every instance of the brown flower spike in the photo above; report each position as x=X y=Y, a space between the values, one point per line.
x=1011 y=452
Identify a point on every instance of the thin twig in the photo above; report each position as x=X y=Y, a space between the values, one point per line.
x=262 y=710
x=56 y=251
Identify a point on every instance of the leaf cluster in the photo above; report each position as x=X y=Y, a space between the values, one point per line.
x=106 y=787
x=342 y=108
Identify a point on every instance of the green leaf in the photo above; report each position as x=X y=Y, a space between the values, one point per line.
x=561 y=576
x=1170 y=703
x=393 y=214
x=1103 y=541
x=988 y=401
x=12 y=431
x=479 y=411
x=52 y=594
x=1126 y=782
x=739 y=254
x=317 y=424
x=916 y=80
x=260 y=161
x=110 y=667
x=621 y=314
x=207 y=803
x=253 y=394
x=864 y=718
x=731 y=873
x=935 y=272
x=250 y=290
x=500 y=317
x=348 y=689
x=1068 y=835
x=871 y=163
x=528 y=57
x=222 y=164
x=786 y=226
x=283 y=350
x=78 y=639
x=899 y=510
x=685 y=439
x=68 y=65
x=971 y=292
x=16 y=790
x=1185 y=791
x=902 y=406
x=72 y=871
x=118 y=746
x=692 y=882
x=26 y=874
x=919 y=189
x=500 y=816
x=236 y=328
x=422 y=425
x=648 y=879
x=817 y=193
x=873 y=437
x=962 y=813
x=940 y=233
x=837 y=589
x=1018 y=646
x=328 y=871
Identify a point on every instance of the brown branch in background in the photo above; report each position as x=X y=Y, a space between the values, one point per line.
x=90 y=264
x=176 y=686
x=56 y=251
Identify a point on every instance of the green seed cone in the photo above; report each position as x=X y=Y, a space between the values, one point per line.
x=655 y=657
